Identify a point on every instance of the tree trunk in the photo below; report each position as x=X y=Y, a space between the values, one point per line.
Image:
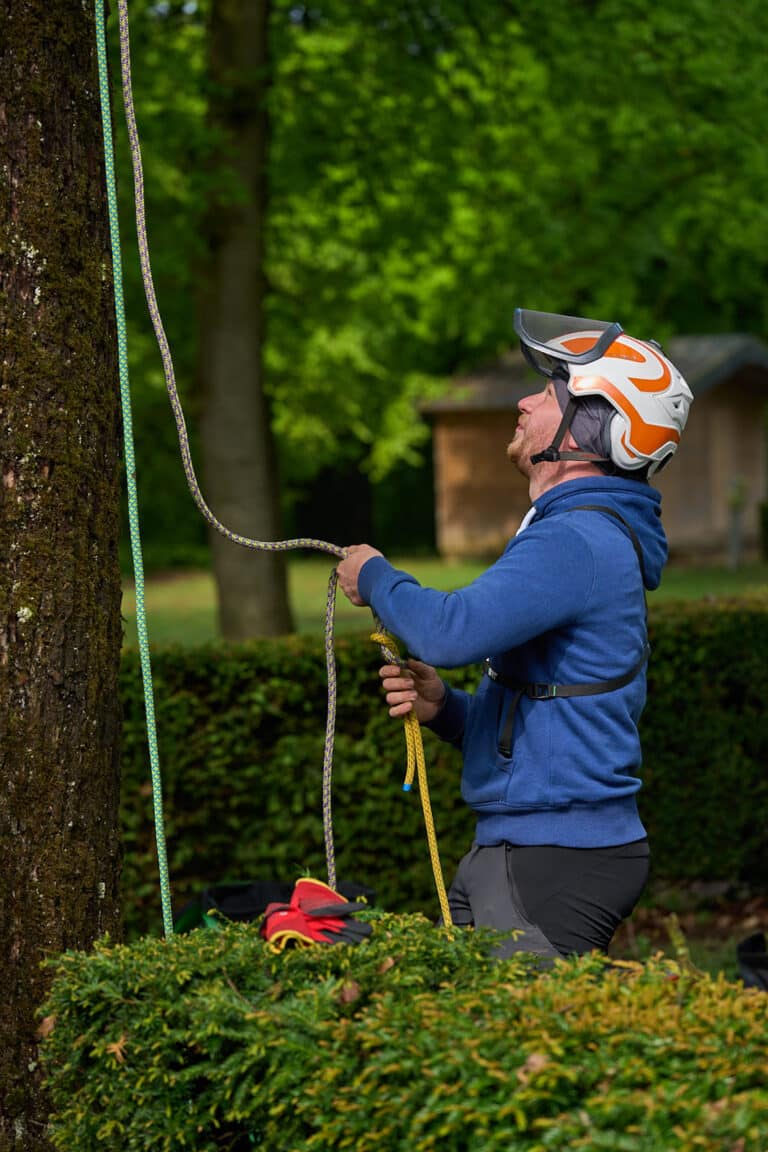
x=60 y=629
x=238 y=451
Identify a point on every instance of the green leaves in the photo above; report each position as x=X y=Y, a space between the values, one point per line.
x=443 y=179
x=412 y=1040
x=432 y=167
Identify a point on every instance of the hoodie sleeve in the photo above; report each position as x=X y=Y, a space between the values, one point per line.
x=451 y=720
x=542 y=581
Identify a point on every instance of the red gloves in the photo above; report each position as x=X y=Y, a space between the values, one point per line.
x=315 y=914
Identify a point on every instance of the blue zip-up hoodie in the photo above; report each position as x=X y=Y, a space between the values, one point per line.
x=564 y=604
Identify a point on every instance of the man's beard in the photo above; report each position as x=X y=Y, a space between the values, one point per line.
x=518 y=453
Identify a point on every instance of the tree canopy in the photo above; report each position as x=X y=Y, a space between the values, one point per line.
x=433 y=165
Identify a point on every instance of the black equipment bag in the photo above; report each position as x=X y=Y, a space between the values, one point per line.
x=753 y=961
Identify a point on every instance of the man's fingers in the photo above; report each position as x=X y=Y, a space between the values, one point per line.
x=401 y=709
x=393 y=679
x=399 y=684
x=402 y=697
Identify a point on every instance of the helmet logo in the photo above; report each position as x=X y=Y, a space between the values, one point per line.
x=655 y=377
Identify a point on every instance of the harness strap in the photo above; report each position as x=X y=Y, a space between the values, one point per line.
x=555 y=691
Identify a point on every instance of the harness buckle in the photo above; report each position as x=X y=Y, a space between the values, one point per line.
x=542 y=691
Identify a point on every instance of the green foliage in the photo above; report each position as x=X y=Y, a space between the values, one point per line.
x=433 y=166
x=168 y=46
x=413 y=1040
x=705 y=738
x=173 y=533
x=241 y=735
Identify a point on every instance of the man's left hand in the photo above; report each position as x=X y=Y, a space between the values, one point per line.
x=349 y=570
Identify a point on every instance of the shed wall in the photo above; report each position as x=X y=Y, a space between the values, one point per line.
x=480 y=496
x=723 y=449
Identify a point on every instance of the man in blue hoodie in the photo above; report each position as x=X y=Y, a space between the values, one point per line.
x=551 y=752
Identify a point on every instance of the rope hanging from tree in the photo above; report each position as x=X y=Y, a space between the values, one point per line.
x=413 y=732
x=130 y=472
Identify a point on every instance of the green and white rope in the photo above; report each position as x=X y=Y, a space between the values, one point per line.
x=130 y=472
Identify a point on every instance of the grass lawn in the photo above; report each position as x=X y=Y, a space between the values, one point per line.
x=181 y=607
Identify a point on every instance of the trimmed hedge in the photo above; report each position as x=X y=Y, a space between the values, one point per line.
x=412 y=1041
x=241 y=733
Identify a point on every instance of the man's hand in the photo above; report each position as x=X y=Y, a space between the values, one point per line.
x=349 y=570
x=417 y=687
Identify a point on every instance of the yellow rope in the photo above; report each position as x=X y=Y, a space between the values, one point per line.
x=416 y=765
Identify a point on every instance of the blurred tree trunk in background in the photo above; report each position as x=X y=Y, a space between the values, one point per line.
x=241 y=481
x=60 y=631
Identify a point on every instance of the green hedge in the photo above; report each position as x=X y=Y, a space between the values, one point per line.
x=413 y=1041
x=241 y=735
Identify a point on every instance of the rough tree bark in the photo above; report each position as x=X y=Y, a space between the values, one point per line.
x=238 y=451
x=60 y=630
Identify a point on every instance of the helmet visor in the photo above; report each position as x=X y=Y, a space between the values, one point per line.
x=541 y=335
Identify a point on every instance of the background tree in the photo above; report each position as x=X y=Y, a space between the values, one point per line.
x=205 y=70
x=169 y=62
x=60 y=628
x=238 y=447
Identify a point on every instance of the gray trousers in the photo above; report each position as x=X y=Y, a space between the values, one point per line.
x=484 y=894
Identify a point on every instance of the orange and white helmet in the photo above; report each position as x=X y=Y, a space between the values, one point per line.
x=649 y=396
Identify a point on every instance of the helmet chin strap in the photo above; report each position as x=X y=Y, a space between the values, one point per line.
x=552 y=454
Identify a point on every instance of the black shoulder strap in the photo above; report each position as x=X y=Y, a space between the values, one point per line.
x=553 y=691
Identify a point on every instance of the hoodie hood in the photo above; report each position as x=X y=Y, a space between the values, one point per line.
x=634 y=500
x=591 y=423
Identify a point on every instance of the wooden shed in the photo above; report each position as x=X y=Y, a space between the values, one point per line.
x=720 y=466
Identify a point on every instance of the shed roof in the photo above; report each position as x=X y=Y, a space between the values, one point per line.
x=703 y=360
